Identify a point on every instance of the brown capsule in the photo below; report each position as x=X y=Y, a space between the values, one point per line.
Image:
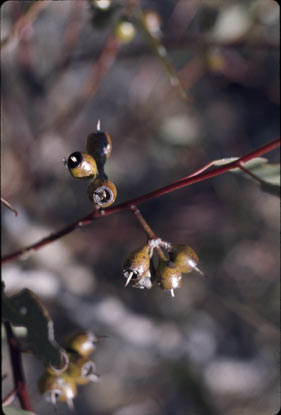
x=83 y=343
x=63 y=366
x=102 y=192
x=185 y=258
x=137 y=264
x=56 y=387
x=82 y=165
x=168 y=275
x=99 y=145
x=81 y=369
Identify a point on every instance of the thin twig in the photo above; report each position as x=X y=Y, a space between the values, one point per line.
x=69 y=40
x=26 y=19
x=172 y=46
x=185 y=181
x=249 y=173
x=161 y=53
x=147 y=229
x=17 y=368
x=98 y=71
x=72 y=30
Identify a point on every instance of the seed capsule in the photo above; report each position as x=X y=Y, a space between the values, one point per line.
x=81 y=369
x=83 y=343
x=168 y=275
x=102 y=192
x=185 y=258
x=56 y=388
x=63 y=366
x=99 y=145
x=136 y=265
x=82 y=165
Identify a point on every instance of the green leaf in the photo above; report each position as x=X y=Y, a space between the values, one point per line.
x=8 y=410
x=25 y=309
x=222 y=162
x=273 y=189
x=266 y=175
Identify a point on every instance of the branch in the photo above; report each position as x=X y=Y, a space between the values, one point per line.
x=17 y=369
x=99 y=69
x=26 y=19
x=147 y=229
x=198 y=176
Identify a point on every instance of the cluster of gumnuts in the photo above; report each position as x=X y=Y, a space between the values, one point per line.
x=90 y=165
x=78 y=369
x=125 y=27
x=139 y=267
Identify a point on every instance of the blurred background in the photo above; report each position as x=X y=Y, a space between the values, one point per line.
x=214 y=348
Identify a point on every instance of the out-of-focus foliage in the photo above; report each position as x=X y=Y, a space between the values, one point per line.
x=25 y=309
x=214 y=348
x=267 y=175
x=13 y=411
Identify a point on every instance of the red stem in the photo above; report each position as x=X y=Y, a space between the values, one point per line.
x=185 y=181
x=17 y=369
x=147 y=229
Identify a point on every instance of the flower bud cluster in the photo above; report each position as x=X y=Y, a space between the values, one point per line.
x=79 y=369
x=139 y=269
x=102 y=192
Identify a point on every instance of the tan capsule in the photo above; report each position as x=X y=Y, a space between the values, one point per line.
x=99 y=145
x=137 y=264
x=56 y=387
x=168 y=275
x=102 y=192
x=81 y=369
x=185 y=258
x=83 y=343
x=82 y=165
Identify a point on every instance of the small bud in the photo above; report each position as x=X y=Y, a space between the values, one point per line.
x=102 y=192
x=82 y=165
x=185 y=258
x=137 y=264
x=168 y=275
x=83 y=343
x=56 y=387
x=99 y=146
x=81 y=369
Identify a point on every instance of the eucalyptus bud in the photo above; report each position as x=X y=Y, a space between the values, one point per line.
x=137 y=264
x=169 y=276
